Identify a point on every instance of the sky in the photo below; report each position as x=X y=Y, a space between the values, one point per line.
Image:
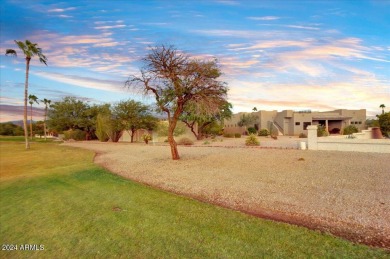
x=274 y=55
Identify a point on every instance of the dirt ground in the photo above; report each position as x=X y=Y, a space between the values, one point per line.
x=343 y=193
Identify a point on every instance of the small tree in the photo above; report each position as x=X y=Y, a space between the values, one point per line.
x=134 y=116
x=202 y=117
x=384 y=123
x=32 y=99
x=47 y=104
x=175 y=80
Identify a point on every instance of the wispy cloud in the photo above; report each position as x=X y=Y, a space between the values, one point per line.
x=264 y=18
x=61 y=10
x=87 y=82
x=228 y=2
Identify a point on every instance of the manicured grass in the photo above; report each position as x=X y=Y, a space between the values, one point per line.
x=78 y=210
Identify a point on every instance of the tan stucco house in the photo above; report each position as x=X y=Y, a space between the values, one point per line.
x=293 y=123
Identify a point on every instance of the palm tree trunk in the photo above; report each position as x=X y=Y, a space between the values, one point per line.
x=25 y=104
x=31 y=131
x=44 y=123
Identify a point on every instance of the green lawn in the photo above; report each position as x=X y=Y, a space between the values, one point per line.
x=77 y=210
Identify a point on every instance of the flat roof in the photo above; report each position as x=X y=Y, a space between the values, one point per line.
x=329 y=117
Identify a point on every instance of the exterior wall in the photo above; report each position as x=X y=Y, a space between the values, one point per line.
x=344 y=144
x=231 y=126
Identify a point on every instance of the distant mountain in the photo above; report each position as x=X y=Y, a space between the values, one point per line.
x=19 y=122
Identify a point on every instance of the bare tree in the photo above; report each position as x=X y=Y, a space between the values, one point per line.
x=175 y=80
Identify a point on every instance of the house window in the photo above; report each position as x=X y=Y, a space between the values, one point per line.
x=297 y=123
x=305 y=124
x=352 y=122
x=360 y=122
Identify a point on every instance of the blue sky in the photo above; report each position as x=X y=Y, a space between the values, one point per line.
x=275 y=55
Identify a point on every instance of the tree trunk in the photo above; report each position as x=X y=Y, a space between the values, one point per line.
x=132 y=135
x=31 y=131
x=44 y=123
x=171 y=140
x=25 y=104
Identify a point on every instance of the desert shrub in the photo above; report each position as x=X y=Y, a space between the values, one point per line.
x=263 y=132
x=146 y=138
x=252 y=140
x=384 y=123
x=252 y=130
x=237 y=135
x=228 y=135
x=185 y=141
x=350 y=130
x=321 y=131
x=102 y=121
x=206 y=143
x=74 y=134
x=302 y=135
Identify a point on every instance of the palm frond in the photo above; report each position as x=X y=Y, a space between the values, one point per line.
x=10 y=52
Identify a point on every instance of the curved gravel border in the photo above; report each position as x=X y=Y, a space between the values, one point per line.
x=344 y=193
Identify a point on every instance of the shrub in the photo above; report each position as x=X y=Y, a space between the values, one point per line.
x=185 y=141
x=321 y=131
x=237 y=135
x=74 y=134
x=206 y=143
x=228 y=135
x=252 y=130
x=350 y=130
x=302 y=135
x=252 y=140
x=146 y=138
x=263 y=132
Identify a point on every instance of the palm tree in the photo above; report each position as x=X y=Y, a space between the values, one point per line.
x=32 y=99
x=254 y=109
x=47 y=104
x=29 y=50
x=383 y=108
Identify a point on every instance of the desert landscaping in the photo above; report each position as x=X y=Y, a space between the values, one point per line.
x=343 y=193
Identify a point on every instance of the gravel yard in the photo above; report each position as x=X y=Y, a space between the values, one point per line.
x=344 y=193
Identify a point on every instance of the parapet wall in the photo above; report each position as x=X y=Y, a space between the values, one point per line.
x=346 y=144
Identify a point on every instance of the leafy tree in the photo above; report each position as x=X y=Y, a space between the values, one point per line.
x=175 y=80
x=254 y=109
x=10 y=129
x=47 y=103
x=163 y=128
x=133 y=116
x=384 y=123
x=383 y=108
x=202 y=117
x=69 y=113
x=29 y=50
x=31 y=100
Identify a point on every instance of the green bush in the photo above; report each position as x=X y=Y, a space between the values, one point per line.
x=146 y=138
x=384 y=123
x=302 y=135
x=350 y=130
x=263 y=132
x=185 y=141
x=237 y=135
x=75 y=134
x=252 y=140
x=252 y=130
x=321 y=131
x=228 y=135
